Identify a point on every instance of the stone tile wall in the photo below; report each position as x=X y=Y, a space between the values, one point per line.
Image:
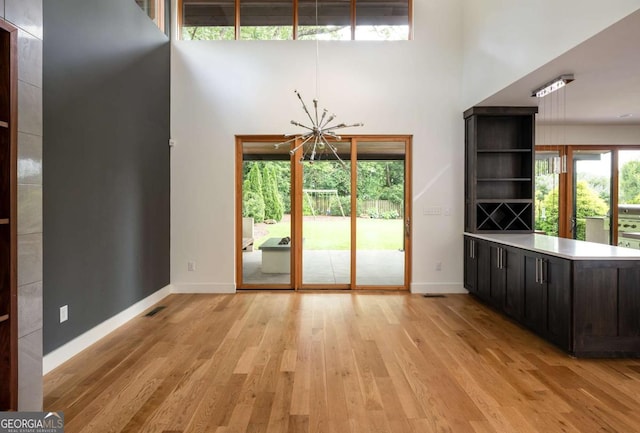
x=27 y=16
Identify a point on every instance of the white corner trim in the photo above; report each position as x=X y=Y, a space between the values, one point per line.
x=448 y=288
x=81 y=342
x=217 y=288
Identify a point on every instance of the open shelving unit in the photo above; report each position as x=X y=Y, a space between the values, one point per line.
x=8 y=220
x=499 y=173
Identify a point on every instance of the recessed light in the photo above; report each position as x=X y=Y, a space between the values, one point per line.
x=625 y=116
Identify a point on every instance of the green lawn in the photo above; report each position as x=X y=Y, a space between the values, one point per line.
x=332 y=233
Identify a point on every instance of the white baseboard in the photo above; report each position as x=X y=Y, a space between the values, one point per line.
x=78 y=344
x=215 y=288
x=448 y=288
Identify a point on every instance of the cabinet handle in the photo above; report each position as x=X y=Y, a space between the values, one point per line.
x=542 y=279
x=498 y=258
x=501 y=258
x=537 y=270
x=472 y=248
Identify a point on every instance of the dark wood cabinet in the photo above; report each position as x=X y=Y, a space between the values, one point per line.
x=589 y=308
x=607 y=310
x=513 y=293
x=470 y=265
x=486 y=270
x=497 y=274
x=533 y=296
x=8 y=220
x=557 y=282
x=547 y=297
x=499 y=175
x=476 y=264
x=484 y=275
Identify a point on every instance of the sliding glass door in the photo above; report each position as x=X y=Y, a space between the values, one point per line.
x=344 y=221
x=381 y=228
x=592 y=174
x=629 y=199
x=596 y=200
x=264 y=248
x=326 y=219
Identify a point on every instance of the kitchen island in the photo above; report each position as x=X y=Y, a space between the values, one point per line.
x=582 y=296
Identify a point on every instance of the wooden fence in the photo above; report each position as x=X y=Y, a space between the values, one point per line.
x=380 y=207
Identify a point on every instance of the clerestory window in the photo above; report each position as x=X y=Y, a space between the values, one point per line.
x=155 y=9
x=295 y=19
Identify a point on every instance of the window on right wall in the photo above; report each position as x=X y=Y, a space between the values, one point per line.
x=295 y=19
x=597 y=199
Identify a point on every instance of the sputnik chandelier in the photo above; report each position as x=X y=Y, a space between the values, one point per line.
x=315 y=142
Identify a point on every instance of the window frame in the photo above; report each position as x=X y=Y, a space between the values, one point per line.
x=159 y=8
x=566 y=187
x=295 y=20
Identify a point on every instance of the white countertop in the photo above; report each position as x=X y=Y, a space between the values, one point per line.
x=561 y=247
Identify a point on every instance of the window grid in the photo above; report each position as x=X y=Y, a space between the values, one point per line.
x=294 y=24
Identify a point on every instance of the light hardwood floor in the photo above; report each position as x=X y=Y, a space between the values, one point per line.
x=337 y=363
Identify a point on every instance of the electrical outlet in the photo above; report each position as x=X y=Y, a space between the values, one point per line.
x=438 y=266
x=64 y=313
x=191 y=266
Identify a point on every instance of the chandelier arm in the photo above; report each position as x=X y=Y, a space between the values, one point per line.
x=313 y=149
x=305 y=141
x=324 y=113
x=315 y=109
x=333 y=150
x=329 y=119
x=301 y=125
x=286 y=142
x=304 y=107
x=342 y=125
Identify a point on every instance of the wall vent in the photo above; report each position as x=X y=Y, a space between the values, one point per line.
x=155 y=311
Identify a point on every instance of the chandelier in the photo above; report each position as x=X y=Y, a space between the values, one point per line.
x=549 y=92
x=315 y=141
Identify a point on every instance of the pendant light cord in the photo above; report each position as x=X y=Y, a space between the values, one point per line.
x=317 y=52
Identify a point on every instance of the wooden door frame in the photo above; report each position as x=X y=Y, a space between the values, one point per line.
x=296 y=219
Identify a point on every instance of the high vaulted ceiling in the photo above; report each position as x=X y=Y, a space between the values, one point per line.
x=606 y=67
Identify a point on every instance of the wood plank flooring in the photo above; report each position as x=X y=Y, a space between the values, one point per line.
x=337 y=363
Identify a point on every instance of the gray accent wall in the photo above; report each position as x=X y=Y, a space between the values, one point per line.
x=26 y=15
x=106 y=157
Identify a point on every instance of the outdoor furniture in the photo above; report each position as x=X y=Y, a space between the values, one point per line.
x=247 y=234
x=276 y=257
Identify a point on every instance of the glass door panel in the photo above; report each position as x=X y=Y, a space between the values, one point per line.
x=629 y=199
x=547 y=183
x=326 y=223
x=266 y=215
x=592 y=196
x=380 y=223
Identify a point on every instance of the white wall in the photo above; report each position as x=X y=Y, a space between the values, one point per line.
x=220 y=89
x=588 y=134
x=504 y=40
x=459 y=56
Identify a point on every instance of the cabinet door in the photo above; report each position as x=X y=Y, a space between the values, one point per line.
x=557 y=278
x=470 y=265
x=484 y=275
x=498 y=275
x=534 y=294
x=513 y=299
